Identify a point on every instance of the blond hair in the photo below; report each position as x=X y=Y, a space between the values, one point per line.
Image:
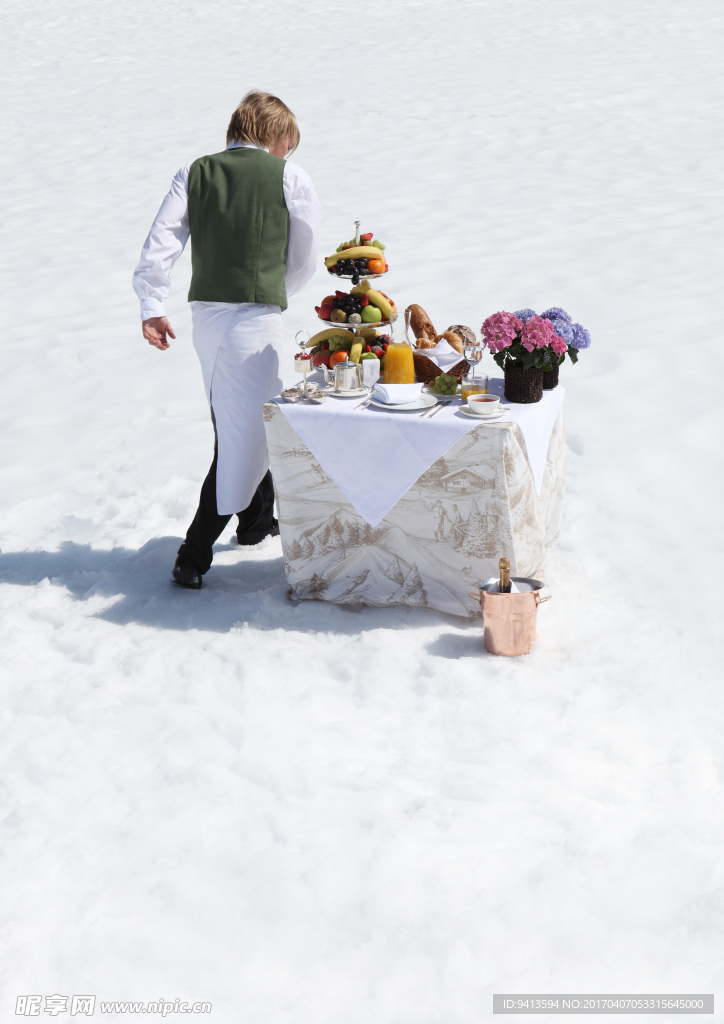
x=263 y=119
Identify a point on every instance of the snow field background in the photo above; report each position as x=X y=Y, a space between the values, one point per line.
x=312 y=814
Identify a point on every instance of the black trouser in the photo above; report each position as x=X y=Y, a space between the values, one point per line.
x=254 y=522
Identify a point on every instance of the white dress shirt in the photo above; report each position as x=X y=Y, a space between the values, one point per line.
x=170 y=231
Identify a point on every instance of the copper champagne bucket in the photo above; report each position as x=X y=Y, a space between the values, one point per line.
x=509 y=620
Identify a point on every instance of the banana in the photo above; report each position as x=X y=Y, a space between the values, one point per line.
x=355 y=253
x=382 y=303
x=355 y=353
x=330 y=332
x=361 y=289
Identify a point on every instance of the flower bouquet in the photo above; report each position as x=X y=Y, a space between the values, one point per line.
x=529 y=348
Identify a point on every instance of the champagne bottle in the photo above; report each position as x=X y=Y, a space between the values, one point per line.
x=504 y=566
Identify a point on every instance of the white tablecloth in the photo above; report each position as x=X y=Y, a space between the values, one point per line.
x=473 y=505
x=350 y=443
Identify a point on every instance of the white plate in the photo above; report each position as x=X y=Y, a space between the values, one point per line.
x=364 y=277
x=427 y=389
x=485 y=419
x=358 y=327
x=357 y=393
x=423 y=402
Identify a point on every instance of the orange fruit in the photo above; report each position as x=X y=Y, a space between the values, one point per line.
x=376 y=267
x=338 y=357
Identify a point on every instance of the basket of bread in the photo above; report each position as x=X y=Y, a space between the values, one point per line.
x=426 y=337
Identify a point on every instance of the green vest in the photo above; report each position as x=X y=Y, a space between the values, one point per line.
x=239 y=228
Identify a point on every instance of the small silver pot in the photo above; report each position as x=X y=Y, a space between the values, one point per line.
x=345 y=376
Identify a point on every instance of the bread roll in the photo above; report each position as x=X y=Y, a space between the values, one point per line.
x=466 y=334
x=420 y=322
x=424 y=342
x=453 y=340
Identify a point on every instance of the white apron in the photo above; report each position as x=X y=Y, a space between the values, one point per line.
x=239 y=346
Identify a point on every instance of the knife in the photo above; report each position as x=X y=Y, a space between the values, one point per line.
x=438 y=407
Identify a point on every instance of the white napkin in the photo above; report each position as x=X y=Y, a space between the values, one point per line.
x=370 y=371
x=397 y=394
x=444 y=355
x=495 y=589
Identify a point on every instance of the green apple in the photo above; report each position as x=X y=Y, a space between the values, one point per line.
x=371 y=314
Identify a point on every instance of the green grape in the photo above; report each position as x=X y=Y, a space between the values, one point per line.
x=379 y=245
x=445 y=384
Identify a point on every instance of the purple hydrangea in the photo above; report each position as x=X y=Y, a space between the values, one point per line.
x=524 y=314
x=581 y=338
x=556 y=313
x=563 y=329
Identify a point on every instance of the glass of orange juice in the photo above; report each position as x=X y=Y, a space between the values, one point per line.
x=472 y=385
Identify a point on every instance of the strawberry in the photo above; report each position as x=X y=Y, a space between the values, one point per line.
x=368 y=348
x=364 y=301
x=340 y=295
x=366 y=237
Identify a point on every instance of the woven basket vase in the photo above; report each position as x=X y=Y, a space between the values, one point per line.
x=522 y=385
x=550 y=379
x=426 y=371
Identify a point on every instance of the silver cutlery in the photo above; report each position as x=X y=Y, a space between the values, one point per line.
x=438 y=407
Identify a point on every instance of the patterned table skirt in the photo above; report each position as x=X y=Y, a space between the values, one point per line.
x=472 y=507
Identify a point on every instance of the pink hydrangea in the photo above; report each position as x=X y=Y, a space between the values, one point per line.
x=500 y=331
x=559 y=345
x=539 y=333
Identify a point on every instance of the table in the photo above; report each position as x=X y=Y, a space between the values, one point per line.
x=471 y=506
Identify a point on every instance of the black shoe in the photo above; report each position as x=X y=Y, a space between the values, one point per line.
x=186 y=573
x=247 y=539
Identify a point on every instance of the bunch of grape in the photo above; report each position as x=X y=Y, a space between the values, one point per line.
x=349 y=303
x=355 y=268
x=445 y=384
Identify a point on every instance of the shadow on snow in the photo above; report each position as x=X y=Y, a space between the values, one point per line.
x=253 y=590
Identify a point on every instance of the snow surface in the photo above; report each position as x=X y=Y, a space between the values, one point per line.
x=306 y=814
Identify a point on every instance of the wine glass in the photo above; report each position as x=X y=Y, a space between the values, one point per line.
x=473 y=352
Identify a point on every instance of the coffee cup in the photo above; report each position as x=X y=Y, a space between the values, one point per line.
x=484 y=405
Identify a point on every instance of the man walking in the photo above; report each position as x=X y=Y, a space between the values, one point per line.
x=253 y=219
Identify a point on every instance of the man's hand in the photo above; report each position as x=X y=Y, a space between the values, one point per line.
x=155 y=330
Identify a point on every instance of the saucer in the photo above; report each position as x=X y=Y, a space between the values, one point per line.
x=296 y=394
x=485 y=419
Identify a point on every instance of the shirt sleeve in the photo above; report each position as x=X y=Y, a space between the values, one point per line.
x=305 y=215
x=165 y=242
